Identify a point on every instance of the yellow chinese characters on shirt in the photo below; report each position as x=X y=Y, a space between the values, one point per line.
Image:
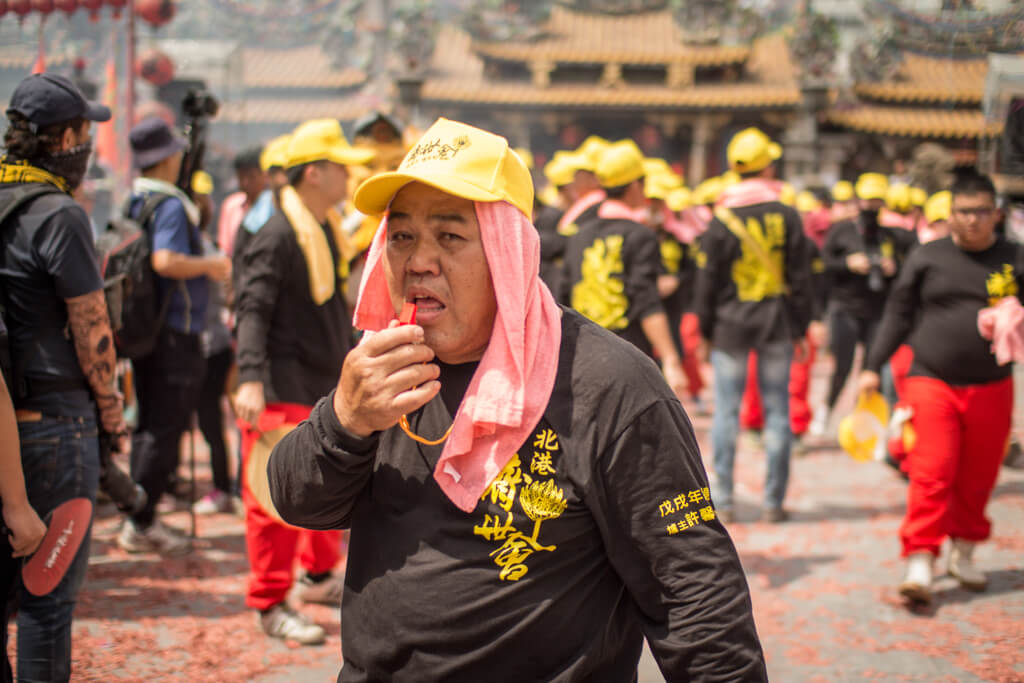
x=689 y=509
x=601 y=294
x=540 y=499
x=756 y=280
x=1001 y=284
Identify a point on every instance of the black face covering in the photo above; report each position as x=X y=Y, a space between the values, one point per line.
x=70 y=164
x=869 y=219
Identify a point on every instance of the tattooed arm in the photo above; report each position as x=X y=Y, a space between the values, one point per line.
x=94 y=344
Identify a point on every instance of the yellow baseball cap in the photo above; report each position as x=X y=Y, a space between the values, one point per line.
x=561 y=170
x=323 y=140
x=918 y=196
x=787 y=194
x=707 y=192
x=871 y=186
x=678 y=199
x=751 y=150
x=898 y=198
x=657 y=185
x=863 y=430
x=202 y=182
x=656 y=166
x=591 y=151
x=806 y=201
x=275 y=153
x=621 y=163
x=842 y=191
x=458 y=159
x=526 y=155
x=939 y=207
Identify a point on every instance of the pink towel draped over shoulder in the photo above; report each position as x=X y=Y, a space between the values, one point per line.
x=1003 y=325
x=513 y=383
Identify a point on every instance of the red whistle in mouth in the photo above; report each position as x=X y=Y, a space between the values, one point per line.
x=408 y=314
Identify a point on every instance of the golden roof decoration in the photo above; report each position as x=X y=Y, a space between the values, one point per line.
x=924 y=78
x=917 y=122
x=643 y=38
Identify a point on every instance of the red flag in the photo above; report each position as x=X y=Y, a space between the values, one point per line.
x=40 y=63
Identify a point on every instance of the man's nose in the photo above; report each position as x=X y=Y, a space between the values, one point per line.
x=424 y=257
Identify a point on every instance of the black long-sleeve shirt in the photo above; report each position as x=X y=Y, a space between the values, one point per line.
x=934 y=307
x=598 y=532
x=285 y=340
x=611 y=276
x=850 y=290
x=739 y=302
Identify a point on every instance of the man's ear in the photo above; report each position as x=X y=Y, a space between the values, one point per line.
x=68 y=139
x=311 y=175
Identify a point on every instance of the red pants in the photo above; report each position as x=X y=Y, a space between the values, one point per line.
x=272 y=544
x=689 y=330
x=899 y=364
x=751 y=415
x=961 y=439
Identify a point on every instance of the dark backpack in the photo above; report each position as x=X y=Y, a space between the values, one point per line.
x=136 y=310
x=14 y=201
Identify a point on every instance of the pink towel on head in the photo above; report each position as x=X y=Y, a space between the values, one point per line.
x=1003 y=325
x=513 y=383
x=579 y=206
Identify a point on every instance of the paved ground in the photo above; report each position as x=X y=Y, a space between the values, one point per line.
x=823 y=587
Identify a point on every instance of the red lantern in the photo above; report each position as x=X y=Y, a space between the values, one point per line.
x=66 y=6
x=43 y=6
x=94 y=8
x=20 y=7
x=154 y=66
x=118 y=5
x=156 y=12
x=3 y=7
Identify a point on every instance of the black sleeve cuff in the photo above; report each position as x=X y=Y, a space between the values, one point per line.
x=329 y=425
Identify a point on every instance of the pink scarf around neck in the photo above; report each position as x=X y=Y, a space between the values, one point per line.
x=513 y=383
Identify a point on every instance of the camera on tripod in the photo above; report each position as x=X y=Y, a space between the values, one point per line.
x=199 y=104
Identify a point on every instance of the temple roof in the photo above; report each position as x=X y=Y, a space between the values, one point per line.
x=921 y=78
x=916 y=122
x=458 y=75
x=645 y=38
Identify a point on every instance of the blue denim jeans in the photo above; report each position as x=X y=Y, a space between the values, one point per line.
x=730 y=370
x=60 y=456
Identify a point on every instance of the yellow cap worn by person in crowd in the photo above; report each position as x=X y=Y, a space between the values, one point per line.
x=864 y=430
x=871 y=186
x=458 y=159
x=275 y=153
x=707 y=191
x=750 y=151
x=590 y=152
x=807 y=202
x=787 y=194
x=657 y=185
x=939 y=207
x=842 y=191
x=621 y=164
x=202 y=183
x=323 y=140
x=656 y=166
x=678 y=199
x=918 y=196
x=562 y=168
x=898 y=198
x=526 y=155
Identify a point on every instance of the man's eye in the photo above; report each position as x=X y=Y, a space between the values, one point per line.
x=399 y=237
x=451 y=236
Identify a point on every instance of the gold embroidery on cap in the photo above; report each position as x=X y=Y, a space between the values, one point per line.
x=435 y=149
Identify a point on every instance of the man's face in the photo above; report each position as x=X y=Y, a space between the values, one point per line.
x=435 y=259
x=277 y=178
x=333 y=181
x=174 y=164
x=252 y=182
x=973 y=221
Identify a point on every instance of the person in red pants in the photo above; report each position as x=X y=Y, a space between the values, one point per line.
x=294 y=331
x=962 y=400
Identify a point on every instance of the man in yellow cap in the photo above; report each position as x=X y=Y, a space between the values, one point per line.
x=503 y=461
x=294 y=330
x=862 y=258
x=613 y=262
x=752 y=294
x=586 y=185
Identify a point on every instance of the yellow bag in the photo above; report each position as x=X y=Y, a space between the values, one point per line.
x=864 y=430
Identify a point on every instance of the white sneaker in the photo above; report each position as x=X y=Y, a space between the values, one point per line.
x=917 y=584
x=961 y=566
x=819 y=423
x=281 y=621
x=158 y=538
x=213 y=503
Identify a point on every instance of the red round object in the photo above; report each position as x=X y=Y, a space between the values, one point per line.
x=66 y=6
x=156 y=12
x=20 y=7
x=117 y=5
x=154 y=66
x=93 y=6
x=42 y=6
x=3 y=7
